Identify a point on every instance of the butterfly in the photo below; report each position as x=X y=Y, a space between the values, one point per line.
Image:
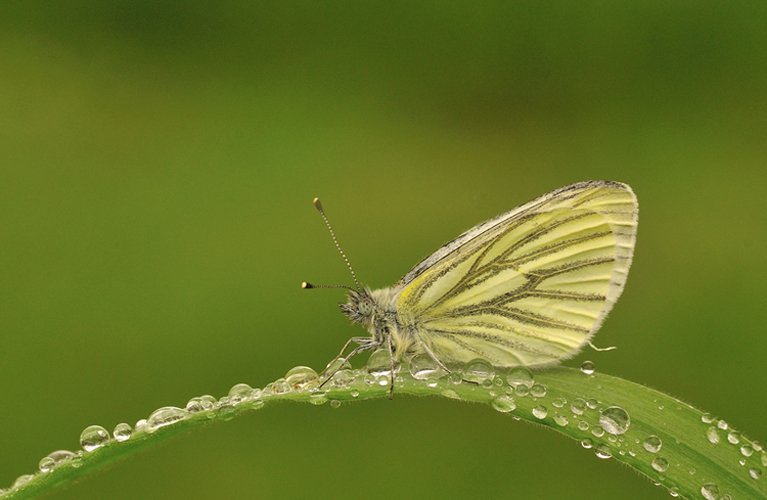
x=529 y=287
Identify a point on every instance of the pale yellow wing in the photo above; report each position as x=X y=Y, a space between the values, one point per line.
x=529 y=287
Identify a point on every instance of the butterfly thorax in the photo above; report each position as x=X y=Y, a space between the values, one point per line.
x=376 y=310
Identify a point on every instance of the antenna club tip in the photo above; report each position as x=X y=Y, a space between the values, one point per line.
x=306 y=285
x=317 y=204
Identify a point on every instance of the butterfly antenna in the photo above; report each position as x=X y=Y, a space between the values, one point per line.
x=307 y=286
x=333 y=234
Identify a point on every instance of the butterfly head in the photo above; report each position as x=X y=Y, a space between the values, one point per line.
x=360 y=307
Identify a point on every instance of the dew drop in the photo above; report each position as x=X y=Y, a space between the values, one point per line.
x=140 y=426
x=478 y=370
x=454 y=378
x=592 y=404
x=354 y=393
x=587 y=367
x=746 y=450
x=713 y=435
x=764 y=459
x=559 y=403
x=379 y=363
x=560 y=420
x=733 y=437
x=281 y=386
x=522 y=391
x=504 y=404
x=201 y=403
x=540 y=412
x=707 y=418
x=583 y=425
x=423 y=367
x=93 y=437
x=166 y=415
x=21 y=480
x=614 y=420
x=710 y=491
x=660 y=464
x=318 y=398
x=335 y=403
x=122 y=432
x=50 y=462
x=723 y=425
x=598 y=431
x=301 y=376
x=587 y=443
x=603 y=451
x=755 y=473
x=538 y=390
x=520 y=376
x=239 y=392
x=370 y=379
x=578 y=406
x=652 y=444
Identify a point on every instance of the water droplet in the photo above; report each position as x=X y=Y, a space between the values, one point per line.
x=755 y=473
x=200 y=403
x=660 y=464
x=504 y=404
x=674 y=491
x=710 y=491
x=478 y=370
x=756 y=446
x=335 y=403
x=540 y=412
x=454 y=378
x=301 y=376
x=336 y=363
x=722 y=425
x=587 y=443
x=318 y=398
x=598 y=431
x=764 y=459
x=560 y=420
x=538 y=390
x=652 y=444
x=522 y=391
x=707 y=418
x=166 y=415
x=379 y=363
x=614 y=420
x=520 y=376
x=93 y=437
x=583 y=425
x=578 y=406
x=21 y=480
x=239 y=392
x=450 y=393
x=280 y=386
x=592 y=404
x=370 y=379
x=713 y=435
x=603 y=451
x=50 y=462
x=742 y=461
x=423 y=367
x=354 y=393
x=733 y=437
x=746 y=450
x=122 y=432
x=587 y=367
x=691 y=472
x=559 y=402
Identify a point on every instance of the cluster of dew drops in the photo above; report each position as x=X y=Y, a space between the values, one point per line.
x=519 y=383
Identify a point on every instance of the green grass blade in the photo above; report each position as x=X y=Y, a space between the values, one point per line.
x=698 y=456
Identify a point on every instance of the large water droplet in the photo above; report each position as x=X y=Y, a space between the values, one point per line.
x=54 y=459
x=379 y=363
x=122 y=432
x=166 y=415
x=560 y=420
x=520 y=376
x=478 y=370
x=522 y=391
x=239 y=392
x=710 y=491
x=301 y=376
x=652 y=444
x=504 y=404
x=603 y=451
x=614 y=420
x=587 y=367
x=423 y=367
x=713 y=435
x=538 y=390
x=755 y=473
x=660 y=464
x=540 y=412
x=93 y=437
x=746 y=450
x=733 y=437
x=723 y=425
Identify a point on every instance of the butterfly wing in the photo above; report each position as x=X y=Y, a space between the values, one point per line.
x=529 y=287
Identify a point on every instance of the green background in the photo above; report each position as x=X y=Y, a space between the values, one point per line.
x=157 y=166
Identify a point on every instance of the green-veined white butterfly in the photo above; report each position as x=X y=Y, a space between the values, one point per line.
x=528 y=287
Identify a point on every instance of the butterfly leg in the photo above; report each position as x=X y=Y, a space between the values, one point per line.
x=365 y=344
x=391 y=366
x=439 y=363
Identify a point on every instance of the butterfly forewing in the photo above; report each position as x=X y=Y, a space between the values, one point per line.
x=529 y=287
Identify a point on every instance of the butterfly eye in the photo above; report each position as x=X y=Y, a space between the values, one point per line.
x=365 y=307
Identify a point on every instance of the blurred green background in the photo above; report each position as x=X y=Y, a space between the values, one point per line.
x=157 y=166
